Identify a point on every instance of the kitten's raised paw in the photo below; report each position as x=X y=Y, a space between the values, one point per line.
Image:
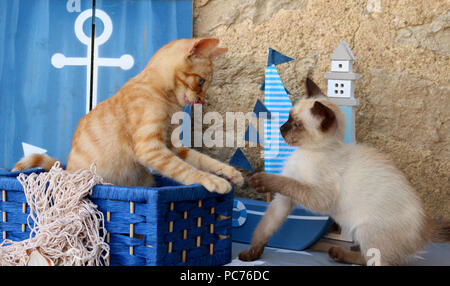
x=259 y=182
x=216 y=184
x=251 y=254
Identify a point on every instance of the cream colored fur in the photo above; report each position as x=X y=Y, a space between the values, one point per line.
x=372 y=199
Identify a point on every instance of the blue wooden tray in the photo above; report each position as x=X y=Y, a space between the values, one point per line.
x=301 y=229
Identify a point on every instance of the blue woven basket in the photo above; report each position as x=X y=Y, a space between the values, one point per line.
x=170 y=224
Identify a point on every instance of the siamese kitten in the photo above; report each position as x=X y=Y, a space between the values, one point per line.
x=357 y=186
x=126 y=134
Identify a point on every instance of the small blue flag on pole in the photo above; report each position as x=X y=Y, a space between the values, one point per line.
x=239 y=160
x=276 y=58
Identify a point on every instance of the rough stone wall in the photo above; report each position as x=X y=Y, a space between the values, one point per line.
x=402 y=49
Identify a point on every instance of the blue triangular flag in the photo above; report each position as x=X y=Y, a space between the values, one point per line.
x=276 y=58
x=251 y=130
x=260 y=107
x=239 y=160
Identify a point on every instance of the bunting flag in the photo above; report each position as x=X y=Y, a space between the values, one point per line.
x=276 y=58
x=276 y=100
x=240 y=160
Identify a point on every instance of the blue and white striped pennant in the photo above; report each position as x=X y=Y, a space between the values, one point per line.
x=276 y=100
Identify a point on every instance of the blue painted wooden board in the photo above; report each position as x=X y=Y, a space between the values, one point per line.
x=301 y=229
x=140 y=28
x=39 y=104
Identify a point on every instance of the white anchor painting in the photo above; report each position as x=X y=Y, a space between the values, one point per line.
x=125 y=62
x=52 y=71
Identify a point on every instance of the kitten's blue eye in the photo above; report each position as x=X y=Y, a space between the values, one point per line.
x=201 y=81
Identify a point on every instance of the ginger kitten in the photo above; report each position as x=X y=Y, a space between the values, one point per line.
x=127 y=133
x=357 y=186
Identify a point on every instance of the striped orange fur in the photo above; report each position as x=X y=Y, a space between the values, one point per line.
x=127 y=133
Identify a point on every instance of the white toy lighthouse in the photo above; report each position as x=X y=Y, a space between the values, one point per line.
x=341 y=85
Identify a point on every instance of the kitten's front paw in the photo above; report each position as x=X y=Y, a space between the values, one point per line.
x=260 y=182
x=232 y=174
x=251 y=254
x=216 y=184
x=336 y=253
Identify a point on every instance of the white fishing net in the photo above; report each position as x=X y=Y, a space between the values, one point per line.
x=66 y=227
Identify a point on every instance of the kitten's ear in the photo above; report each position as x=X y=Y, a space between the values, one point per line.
x=206 y=47
x=325 y=113
x=312 y=90
x=217 y=52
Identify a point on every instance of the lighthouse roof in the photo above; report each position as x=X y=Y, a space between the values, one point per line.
x=343 y=53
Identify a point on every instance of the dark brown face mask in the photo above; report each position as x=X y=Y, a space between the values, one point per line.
x=286 y=127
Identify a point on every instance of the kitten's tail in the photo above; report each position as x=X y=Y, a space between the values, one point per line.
x=35 y=161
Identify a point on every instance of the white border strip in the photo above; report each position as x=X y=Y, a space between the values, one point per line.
x=304 y=217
